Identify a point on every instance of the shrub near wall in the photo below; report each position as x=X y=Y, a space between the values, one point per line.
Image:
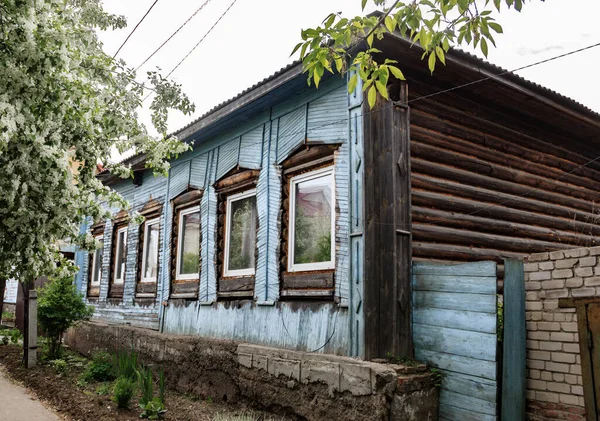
x=554 y=377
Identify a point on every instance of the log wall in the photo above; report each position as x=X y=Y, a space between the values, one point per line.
x=490 y=182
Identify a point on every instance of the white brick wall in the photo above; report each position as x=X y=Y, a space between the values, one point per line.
x=553 y=360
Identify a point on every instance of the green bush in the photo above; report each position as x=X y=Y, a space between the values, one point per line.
x=123 y=391
x=153 y=410
x=60 y=306
x=100 y=369
x=104 y=389
x=15 y=336
x=5 y=340
x=126 y=364
x=146 y=381
x=60 y=366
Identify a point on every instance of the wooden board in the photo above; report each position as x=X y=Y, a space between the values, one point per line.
x=455 y=301
x=514 y=351
x=454 y=326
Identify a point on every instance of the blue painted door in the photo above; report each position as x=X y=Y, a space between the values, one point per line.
x=454 y=329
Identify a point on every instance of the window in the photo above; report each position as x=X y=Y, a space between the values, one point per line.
x=150 y=251
x=188 y=262
x=120 y=256
x=312 y=221
x=96 y=273
x=240 y=234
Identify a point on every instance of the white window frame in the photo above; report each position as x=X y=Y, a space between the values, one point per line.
x=118 y=253
x=178 y=275
x=147 y=225
x=304 y=267
x=95 y=263
x=238 y=272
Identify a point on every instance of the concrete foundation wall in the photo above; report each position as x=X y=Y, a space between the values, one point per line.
x=306 y=385
x=554 y=375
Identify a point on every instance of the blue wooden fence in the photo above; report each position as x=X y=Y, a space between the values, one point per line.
x=454 y=323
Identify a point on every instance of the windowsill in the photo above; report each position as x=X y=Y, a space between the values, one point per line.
x=307 y=293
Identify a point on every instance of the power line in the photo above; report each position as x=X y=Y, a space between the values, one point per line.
x=136 y=27
x=505 y=72
x=197 y=44
x=173 y=34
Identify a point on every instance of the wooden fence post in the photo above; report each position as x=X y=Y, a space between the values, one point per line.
x=514 y=351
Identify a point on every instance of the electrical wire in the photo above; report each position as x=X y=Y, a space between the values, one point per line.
x=173 y=34
x=197 y=44
x=135 y=28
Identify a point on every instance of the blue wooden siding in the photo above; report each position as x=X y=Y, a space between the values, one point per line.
x=454 y=329
x=327 y=115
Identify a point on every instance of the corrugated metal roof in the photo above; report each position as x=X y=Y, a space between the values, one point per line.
x=454 y=52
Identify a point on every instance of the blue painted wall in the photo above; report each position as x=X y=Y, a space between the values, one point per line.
x=326 y=115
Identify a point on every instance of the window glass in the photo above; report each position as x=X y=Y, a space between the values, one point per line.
x=97 y=263
x=241 y=240
x=189 y=243
x=313 y=203
x=121 y=255
x=151 y=251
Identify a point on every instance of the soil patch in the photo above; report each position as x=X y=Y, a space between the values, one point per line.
x=82 y=402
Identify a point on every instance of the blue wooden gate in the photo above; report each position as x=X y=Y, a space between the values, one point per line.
x=454 y=330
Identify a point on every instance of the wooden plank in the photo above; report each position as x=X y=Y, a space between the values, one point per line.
x=484 y=269
x=455 y=283
x=464 y=320
x=460 y=414
x=476 y=345
x=467 y=402
x=387 y=294
x=470 y=385
x=499 y=226
x=244 y=283
x=514 y=351
x=469 y=302
x=477 y=238
x=308 y=280
x=457 y=253
x=591 y=411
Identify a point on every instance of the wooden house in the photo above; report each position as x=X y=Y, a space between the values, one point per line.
x=295 y=219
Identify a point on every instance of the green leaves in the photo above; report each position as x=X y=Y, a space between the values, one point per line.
x=372 y=96
x=434 y=25
x=352 y=83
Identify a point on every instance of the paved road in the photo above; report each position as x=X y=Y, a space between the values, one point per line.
x=16 y=403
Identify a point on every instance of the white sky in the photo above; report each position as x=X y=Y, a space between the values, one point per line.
x=256 y=37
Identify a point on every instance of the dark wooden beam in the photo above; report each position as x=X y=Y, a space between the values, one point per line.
x=387 y=289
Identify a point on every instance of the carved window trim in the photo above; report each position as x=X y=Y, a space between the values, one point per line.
x=237 y=183
x=184 y=288
x=143 y=235
x=122 y=230
x=145 y=288
x=318 y=283
x=93 y=290
x=178 y=275
x=120 y=223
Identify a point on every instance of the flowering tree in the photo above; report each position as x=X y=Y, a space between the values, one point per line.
x=435 y=24
x=65 y=105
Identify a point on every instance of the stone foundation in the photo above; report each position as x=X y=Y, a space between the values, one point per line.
x=306 y=385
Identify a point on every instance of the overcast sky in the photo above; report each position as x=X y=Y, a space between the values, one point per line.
x=255 y=39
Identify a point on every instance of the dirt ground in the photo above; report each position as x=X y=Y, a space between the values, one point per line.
x=82 y=402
